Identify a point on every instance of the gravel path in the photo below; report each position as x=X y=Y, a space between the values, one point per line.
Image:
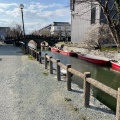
x=29 y=92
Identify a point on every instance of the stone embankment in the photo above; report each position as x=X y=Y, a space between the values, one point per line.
x=111 y=55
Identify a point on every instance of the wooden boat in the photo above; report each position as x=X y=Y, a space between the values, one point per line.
x=32 y=44
x=94 y=59
x=63 y=71
x=53 y=49
x=68 y=53
x=115 y=65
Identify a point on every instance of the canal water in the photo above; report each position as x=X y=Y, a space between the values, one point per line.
x=103 y=74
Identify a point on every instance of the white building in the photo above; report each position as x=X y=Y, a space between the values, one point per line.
x=84 y=16
x=62 y=29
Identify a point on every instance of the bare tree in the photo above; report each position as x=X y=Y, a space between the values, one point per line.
x=59 y=33
x=15 y=31
x=44 y=32
x=111 y=11
x=66 y=32
x=97 y=36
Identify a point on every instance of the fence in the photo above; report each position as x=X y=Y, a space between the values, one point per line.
x=88 y=81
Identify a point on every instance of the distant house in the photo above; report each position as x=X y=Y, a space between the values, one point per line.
x=62 y=29
x=57 y=29
x=3 y=32
x=84 y=15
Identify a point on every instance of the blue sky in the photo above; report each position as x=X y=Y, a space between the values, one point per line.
x=37 y=13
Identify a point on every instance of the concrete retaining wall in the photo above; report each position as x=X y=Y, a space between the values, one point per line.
x=111 y=55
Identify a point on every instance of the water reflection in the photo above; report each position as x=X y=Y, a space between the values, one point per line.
x=101 y=73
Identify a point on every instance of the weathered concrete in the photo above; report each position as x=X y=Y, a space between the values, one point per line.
x=111 y=55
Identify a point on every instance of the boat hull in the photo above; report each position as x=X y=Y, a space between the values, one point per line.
x=115 y=65
x=54 y=50
x=73 y=54
x=93 y=60
x=32 y=45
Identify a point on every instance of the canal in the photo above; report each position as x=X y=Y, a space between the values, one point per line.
x=103 y=74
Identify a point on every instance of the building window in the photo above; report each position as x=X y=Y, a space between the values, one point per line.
x=72 y=3
x=58 y=27
x=93 y=13
x=118 y=1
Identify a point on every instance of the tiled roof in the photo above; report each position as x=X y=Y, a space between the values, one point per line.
x=61 y=23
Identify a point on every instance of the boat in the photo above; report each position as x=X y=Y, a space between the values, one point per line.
x=32 y=44
x=53 y=49
x=73 y=54
x=115 y=65
x=94 y=59
x=63 y=72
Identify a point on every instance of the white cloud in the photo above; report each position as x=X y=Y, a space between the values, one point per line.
x=62 y=12
x=1 y=10
x=5 y=5
x=36 y=15
x=15 y=12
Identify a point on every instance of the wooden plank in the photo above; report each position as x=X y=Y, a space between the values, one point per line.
x=68 y=78
x=62 y=65
x=48 y=57
x=45 y=61
x=58 y=71
x=86 y=89
x=53 y=60
x=75 y=72
x=51 y=66
x=102 y=87
x=118 y=106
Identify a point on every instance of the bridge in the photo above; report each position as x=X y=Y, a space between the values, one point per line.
x=38 y=39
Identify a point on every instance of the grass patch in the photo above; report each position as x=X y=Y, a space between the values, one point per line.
x=109 y=49
x=60 y=43
x=68 y=99
x=45 y=73
x=30 y=57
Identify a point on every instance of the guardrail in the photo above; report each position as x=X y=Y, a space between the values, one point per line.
x=86 y=76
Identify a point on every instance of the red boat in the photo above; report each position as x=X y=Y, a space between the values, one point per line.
x=94 y=59
x=53 y=49
x=68 y=53
x=115 y=65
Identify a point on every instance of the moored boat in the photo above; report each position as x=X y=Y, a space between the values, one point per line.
x=68 y=53
x=115 y=65
x=32 y=44
x=53 y=49
x=94 y=59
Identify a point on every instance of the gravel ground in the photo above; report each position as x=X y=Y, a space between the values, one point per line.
x=29 y=92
